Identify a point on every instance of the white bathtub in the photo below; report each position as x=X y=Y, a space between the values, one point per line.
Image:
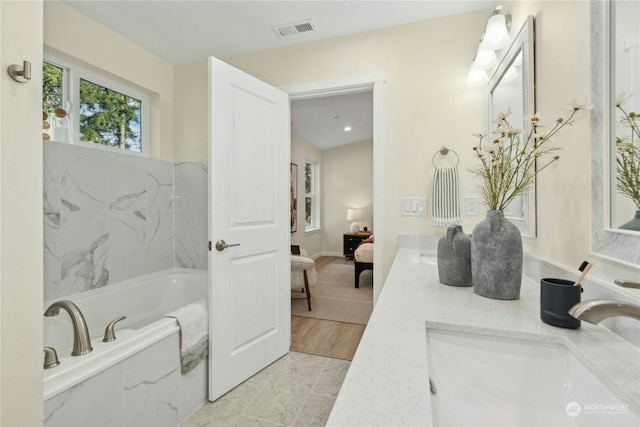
x=115 y=373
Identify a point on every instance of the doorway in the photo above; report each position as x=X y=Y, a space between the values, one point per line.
x=359 y=93
x=368 y=83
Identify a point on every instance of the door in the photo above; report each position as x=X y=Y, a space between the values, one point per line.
x=249 y=294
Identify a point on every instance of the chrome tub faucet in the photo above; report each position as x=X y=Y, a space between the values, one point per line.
x=81 y=340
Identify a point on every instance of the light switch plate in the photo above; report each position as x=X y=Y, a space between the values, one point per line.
x=414 y=206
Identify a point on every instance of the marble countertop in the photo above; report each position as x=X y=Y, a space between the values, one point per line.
x=388 y=381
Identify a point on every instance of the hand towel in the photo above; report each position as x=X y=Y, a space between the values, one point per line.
x=194 y=334
x=446 y=208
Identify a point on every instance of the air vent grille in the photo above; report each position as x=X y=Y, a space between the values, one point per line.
x=288 y=30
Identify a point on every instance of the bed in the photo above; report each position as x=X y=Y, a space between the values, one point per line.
x=363 y=258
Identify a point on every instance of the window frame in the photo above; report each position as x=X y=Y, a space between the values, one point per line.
x=71 y=75
x=314 y=195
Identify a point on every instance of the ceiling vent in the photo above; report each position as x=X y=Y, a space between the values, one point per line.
x=288 y=30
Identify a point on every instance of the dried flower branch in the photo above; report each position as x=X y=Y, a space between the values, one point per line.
x=628 y=155
x=508 y=162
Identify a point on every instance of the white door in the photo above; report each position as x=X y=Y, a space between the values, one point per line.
x=249 y=294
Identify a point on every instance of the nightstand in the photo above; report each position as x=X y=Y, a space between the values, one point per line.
x=350 y=242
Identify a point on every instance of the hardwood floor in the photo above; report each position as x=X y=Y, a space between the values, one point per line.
x=325 y=337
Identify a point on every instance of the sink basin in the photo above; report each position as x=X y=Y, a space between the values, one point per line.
x=486 y=380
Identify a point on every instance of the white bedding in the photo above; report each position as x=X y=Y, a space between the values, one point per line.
x=364 y=253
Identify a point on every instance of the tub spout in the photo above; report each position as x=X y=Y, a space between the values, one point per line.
x=81 y=340
x=595 y=311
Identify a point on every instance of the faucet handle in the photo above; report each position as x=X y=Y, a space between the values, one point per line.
x=627 y=283
x=50 y=358
x=109 y=332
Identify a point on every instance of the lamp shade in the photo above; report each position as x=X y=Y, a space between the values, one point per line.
x=354 y=214
x=485 y=59
x=477 y=77
x=496 y=35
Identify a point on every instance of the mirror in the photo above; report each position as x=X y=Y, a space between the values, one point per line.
x=512 y=87
x=625 y=146
x=620 y=245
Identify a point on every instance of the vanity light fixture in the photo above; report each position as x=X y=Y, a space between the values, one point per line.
x=477 y=76
x=485 y=59
x=495 y=36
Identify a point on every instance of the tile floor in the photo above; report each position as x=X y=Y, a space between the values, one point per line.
x=296 y=390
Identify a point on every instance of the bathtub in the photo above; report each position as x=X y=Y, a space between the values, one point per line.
x=136 y=379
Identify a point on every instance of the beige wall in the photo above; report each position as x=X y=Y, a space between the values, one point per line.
x=21 y=217
x=79 y=39
x=426 y=105
x=191 y=115
x=426 y=102
x=563 y=74
x=302 y=151
x=347 y=182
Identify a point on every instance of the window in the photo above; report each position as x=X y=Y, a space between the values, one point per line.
x=311 y=199
x=92 y=109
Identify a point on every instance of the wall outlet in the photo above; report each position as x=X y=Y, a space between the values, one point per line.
x=471 y=205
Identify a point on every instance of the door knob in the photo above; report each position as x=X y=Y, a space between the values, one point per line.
x=221 y=245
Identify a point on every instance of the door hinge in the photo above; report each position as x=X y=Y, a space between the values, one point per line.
x=209 y=245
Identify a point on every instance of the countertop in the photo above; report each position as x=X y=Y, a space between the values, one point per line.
x=388 y=380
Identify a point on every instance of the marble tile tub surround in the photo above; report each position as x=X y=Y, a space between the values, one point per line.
x=145 y=389
x=110 y=217
x=390 y=366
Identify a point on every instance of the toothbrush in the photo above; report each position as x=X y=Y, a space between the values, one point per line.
x=584 y=267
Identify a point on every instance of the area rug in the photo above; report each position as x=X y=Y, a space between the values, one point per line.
x=334 y=296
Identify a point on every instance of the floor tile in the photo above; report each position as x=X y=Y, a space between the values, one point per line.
x=298 y=389
x=331 y=378
x=315 y=411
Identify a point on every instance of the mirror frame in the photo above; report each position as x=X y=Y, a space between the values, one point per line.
x=523 y=42
x=612 y=244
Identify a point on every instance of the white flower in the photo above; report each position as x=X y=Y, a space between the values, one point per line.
x=535 y=120
x=622 y=98
x=538 y=132
x=580 y=105
x=500 y=118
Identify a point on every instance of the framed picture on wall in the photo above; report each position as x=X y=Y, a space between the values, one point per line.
x=293 y=182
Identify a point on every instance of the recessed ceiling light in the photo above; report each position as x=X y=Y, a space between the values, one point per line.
x=347 y=128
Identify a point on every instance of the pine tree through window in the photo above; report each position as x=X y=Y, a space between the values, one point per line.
x=106 y=113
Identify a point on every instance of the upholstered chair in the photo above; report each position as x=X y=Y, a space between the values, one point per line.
x=303 y=275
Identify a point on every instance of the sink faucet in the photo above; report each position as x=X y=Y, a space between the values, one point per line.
x=596 y=310
x=81 y=340
x=627 y=283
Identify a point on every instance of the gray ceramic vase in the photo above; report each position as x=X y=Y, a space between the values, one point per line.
x=496 y=257
x=634 y=224
x=454 y=257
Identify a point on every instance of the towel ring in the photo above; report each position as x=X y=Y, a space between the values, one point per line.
x=444 y=151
